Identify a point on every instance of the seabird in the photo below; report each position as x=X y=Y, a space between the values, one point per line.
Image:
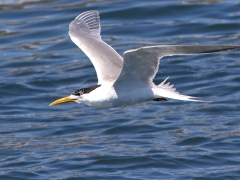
x=128 y=80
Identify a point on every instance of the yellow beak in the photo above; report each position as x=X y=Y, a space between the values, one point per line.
x=62 y=100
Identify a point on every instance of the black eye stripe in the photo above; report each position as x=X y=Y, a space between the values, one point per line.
x=85 y=90
x=78 y=92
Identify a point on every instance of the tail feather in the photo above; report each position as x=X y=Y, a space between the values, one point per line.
x=166 y=90
x=162 y=83
x=167 y=85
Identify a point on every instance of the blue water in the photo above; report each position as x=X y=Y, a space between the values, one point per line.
x=155 y=140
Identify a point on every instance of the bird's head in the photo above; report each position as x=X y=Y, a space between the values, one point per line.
x=75 y=96
x=72 y=98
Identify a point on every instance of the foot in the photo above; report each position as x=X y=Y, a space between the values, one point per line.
x=160 y=99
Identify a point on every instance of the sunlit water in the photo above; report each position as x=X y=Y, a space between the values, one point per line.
x=155 y=140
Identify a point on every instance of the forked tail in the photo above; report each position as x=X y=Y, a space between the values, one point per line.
x=166 y=90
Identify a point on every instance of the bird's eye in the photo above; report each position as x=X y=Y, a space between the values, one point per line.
x=78 y=92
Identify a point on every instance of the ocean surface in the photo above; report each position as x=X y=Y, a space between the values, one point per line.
x=170 y=140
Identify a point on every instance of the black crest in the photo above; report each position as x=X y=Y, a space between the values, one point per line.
x=85 y=90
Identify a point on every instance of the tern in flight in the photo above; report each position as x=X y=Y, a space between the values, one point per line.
x=128 y=80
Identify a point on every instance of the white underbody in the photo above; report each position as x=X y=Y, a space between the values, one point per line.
x=110 y=96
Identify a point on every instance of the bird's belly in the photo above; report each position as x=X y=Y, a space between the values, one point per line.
x=118 y=98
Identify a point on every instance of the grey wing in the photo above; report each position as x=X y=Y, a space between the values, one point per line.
x=142 y=64
x=84 y=31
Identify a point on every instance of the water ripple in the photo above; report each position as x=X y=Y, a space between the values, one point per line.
x=167 y=140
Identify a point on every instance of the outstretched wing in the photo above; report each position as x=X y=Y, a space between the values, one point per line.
x=84 y=31
x=142 y=64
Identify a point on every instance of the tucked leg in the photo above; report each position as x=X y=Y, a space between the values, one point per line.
x=160 y=99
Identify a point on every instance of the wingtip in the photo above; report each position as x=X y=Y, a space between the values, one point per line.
x=86 y=24
x=87 y=13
